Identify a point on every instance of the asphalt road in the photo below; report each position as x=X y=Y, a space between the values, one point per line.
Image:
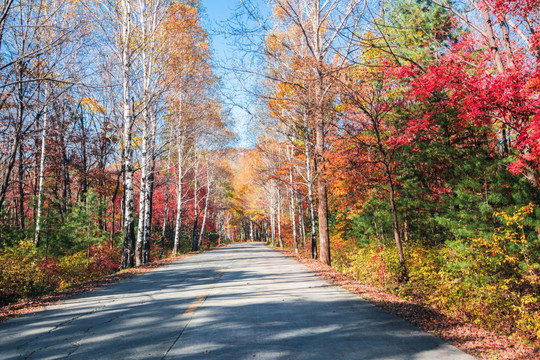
x=244 y=301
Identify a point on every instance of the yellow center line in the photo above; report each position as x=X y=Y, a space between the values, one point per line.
x=218 y=276
x=191 y=309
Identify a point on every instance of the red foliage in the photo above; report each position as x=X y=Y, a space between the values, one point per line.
x=465 y=81
x=105 y=261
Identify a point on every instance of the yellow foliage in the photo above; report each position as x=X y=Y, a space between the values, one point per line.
x=512 y=235
x=92 y=105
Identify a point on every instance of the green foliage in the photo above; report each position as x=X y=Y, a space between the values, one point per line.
x=10 y=235
x=419 y=27
x=375 y=222
x=76 y=231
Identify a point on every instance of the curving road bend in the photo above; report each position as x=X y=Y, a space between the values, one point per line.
x=243 y=301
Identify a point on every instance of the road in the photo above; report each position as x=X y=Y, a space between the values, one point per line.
x=243 y=301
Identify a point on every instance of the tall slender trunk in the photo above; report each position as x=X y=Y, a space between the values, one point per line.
x=128 y=253
x=21 y=186
x=221 y=226
x=128 y=113
x=206 y=202
x=113 y=200
x=280 y=238
x=404 y=276
x=18 y=136
x=302 y=221
x=395 y=222
x=37 y=233
x=195 y=238
x=179 y=194
x=66 y=191
x=148 y=209
x=322 y=194
x=143 y=194
x=166 y=205
x=148 y=12
x=20 y=118
x=320 y=124
x=84 y=148
x=293 y=210
x=273 y=220
x=36 y=157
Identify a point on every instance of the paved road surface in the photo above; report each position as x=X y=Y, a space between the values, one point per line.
x=244 y=301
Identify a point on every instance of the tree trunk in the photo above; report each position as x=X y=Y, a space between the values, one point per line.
x=84 y=173
x=37 y=232
x=128 y=251
x=166 y=205
x=293 y=211
x=143 y=193
x=324 y=239
x=403 y=276
x=18 y=136
x=129 y=222
x=302 y=221
x=149 y=208
x=21 y=186
x=273 y=221
x=179 y=194
x=205 y=212
x=195 y=238
x=310 y=198
x=280 y=238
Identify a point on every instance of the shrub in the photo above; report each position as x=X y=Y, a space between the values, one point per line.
x=27 y=273
x=493 y=281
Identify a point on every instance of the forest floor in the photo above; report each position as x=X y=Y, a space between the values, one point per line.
x=465 y=336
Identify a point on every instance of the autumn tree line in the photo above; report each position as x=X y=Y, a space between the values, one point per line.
x=111 y=136
x=398 y=142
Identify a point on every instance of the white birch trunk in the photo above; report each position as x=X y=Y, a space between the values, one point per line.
x=206 y=201
x=37 y=233
x=179 y=194
x=129 y=224
x=280 y=238
x=293 y=209
x=142 y=193
x=310 y=193
x=166 y=205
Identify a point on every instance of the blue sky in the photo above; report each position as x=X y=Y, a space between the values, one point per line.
x=217 y=14
x=219 y=11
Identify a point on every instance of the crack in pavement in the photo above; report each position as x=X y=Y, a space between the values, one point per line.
x=191 y=311
x=58 y=326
